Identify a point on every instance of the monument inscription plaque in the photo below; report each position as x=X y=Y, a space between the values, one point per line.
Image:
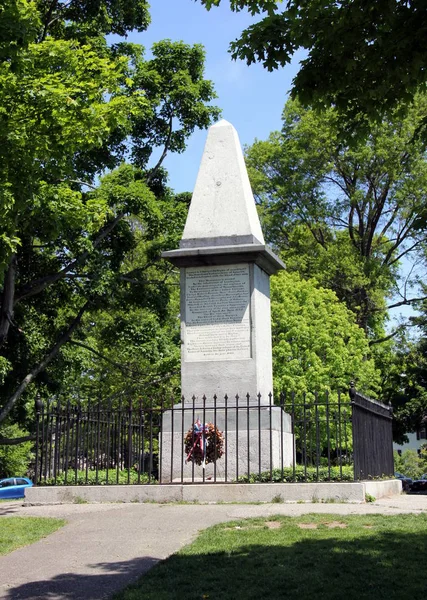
x=217 y=315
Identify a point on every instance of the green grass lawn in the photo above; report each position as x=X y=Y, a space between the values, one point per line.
x=307 y=557
x=21 y=531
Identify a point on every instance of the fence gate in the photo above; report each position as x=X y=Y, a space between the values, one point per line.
x=372 y=437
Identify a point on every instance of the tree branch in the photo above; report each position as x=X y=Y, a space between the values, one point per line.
x=115 y=364
x=391 y=335
x=402 y=254
x=164 y=153
x=405 y=302
x=47 y=19
x=42 y=365
x=387 y=337
x=15 y=441
x=373 y=222
x=79 y=182
x=6 y=308
x=30 y=289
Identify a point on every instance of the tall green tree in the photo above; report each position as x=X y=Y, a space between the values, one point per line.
x=317 y=345
x=364 y=58
x=72 y=109
x=346 y=215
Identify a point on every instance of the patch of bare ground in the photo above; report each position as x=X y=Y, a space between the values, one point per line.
x=335 y=525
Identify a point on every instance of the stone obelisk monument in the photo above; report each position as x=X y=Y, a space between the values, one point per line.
x=225 y=291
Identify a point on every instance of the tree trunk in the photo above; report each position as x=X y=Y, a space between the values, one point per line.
x=7 y=300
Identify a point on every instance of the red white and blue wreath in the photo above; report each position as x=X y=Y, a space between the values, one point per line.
x=204 y=444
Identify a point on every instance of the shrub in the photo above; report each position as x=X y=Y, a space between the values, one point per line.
x=410 y=463
x=301 y=475
x=91 y=478
x=15 y=460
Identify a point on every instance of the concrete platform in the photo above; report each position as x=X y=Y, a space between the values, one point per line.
x=212 y=493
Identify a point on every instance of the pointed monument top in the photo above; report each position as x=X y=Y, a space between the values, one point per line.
x=222 y=224
x=222 y=123
x=222 y=210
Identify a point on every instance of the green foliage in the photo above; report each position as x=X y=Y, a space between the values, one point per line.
x=54 y=108
x=344 y=215
x=404 y=386
x=363 y=58
x=410 y=463
x=174 y=86
x=301 y=475
x=14 y=460
x=316 y=343
x=87 y=307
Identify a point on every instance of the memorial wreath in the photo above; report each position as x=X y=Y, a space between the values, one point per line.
x=204 y=444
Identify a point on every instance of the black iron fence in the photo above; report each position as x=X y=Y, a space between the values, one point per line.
x=310 y=437
x=372 y=431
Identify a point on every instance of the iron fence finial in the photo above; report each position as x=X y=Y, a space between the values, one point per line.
x=38 y=404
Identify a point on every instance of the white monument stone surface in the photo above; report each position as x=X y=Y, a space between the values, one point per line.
x=222 y=205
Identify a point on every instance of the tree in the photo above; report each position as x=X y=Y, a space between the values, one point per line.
x=14 y=460
x=317 y=345
x=364 y=58
x=411 y=463
x=56 y=74
x=130 y=347
x=405 y=383
x=344 y=215
x=73 y=109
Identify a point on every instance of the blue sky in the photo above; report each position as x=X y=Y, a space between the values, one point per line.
x=251 y=98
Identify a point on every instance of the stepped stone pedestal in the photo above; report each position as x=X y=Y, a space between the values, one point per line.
x=225 y=323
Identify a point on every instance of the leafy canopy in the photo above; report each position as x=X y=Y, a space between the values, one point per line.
x=345 y=215
x=364 y=58
x=316 y=343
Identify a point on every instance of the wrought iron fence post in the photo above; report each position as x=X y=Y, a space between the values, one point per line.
x=352 y=395
x=67 y=443
x=248 y=449
x=215 y=439
x=129 y=448
x=38 y=407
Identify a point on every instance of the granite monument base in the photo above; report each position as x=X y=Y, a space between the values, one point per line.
x=256 y=439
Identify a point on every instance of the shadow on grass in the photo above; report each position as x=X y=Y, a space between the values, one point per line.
x=389 y=565
x=9 y=507
x=71 y=586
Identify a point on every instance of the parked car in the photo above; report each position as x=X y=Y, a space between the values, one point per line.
x=420 y=485
x=406 y=481
x=13 y=487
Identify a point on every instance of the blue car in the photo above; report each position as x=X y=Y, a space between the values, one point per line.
x=14 y=487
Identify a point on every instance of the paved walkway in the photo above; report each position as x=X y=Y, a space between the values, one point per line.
x=104 y=547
